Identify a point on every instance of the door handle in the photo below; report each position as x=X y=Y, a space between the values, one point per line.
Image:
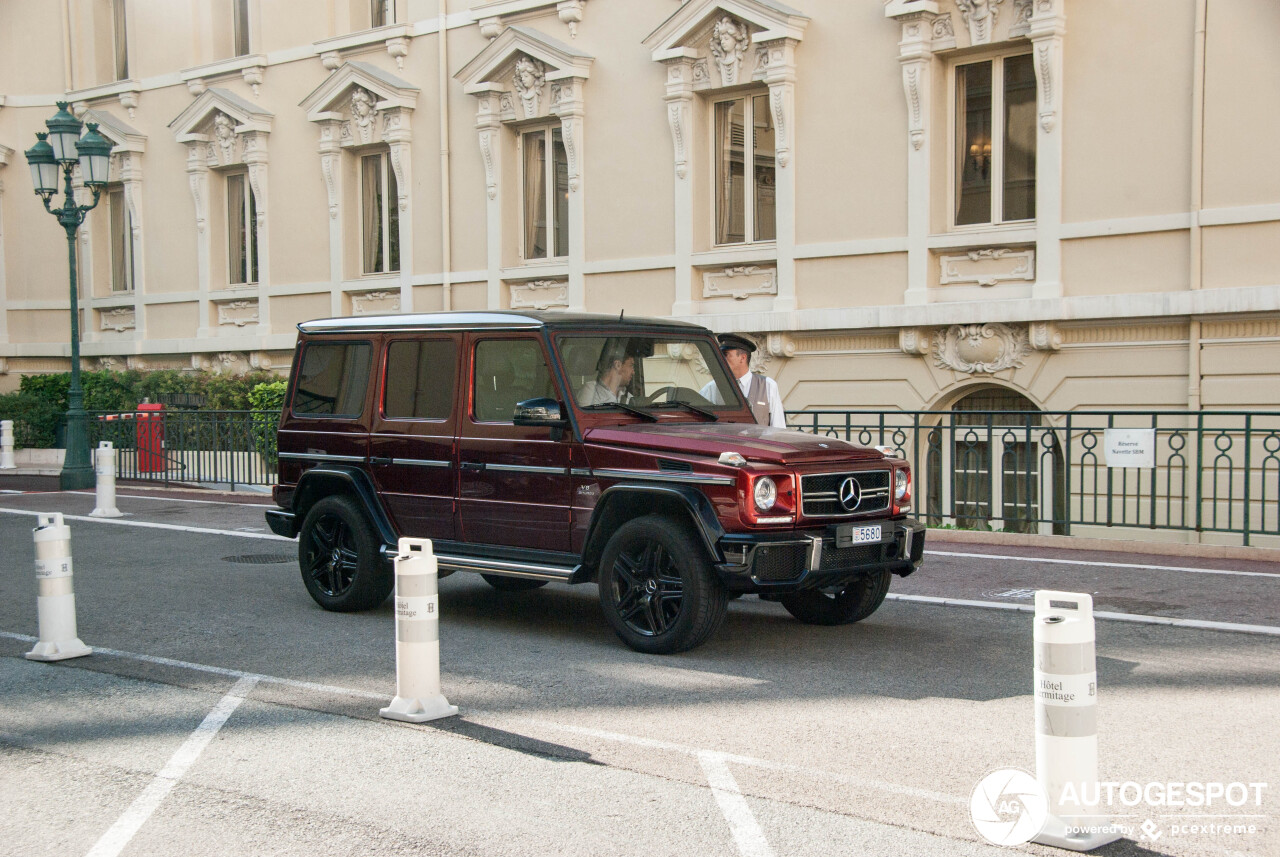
x=378 y=459
x=474 y=466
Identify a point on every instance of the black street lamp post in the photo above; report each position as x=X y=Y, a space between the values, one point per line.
x=62 y=148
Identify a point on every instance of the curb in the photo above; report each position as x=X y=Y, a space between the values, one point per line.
x=974 y=537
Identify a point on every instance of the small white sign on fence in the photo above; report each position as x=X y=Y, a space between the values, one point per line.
x=1130 y=447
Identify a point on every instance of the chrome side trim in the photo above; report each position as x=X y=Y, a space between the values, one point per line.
x=421 y=462
x=320 y=456
x=515 y=569
x=655 y=476
x=815 y=553
x=580 y=471
x=525 y=468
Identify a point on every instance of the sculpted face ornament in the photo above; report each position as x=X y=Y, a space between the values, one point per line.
x=850 y=494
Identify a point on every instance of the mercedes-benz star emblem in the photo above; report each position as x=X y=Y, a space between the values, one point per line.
x=850 y=494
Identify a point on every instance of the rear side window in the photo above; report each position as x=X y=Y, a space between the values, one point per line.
x=332 y=379
x=420 y=379
x=509 y=371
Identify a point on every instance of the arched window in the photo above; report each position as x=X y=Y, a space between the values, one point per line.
x=994 y=463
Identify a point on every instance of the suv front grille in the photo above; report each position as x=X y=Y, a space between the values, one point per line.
x=838 y=559
x=820 y=493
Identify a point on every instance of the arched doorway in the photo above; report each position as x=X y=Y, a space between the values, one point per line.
x=994 y=463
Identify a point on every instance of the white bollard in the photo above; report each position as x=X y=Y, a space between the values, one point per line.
x=6 y=445
x=55 y=600
x=418 y=696
x=1066 y=691
x=104 y=466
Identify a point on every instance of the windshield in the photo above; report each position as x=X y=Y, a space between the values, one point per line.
x=648 y=372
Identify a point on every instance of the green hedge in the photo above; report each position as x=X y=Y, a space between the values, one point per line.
x=41 y=400
x=268 y=398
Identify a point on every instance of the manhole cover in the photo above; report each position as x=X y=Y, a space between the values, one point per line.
x=259 y=558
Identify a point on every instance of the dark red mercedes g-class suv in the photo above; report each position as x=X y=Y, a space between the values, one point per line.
x=538 y=447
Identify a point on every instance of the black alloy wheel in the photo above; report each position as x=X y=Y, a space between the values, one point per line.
x=338 y=555
x=656 y=588
x=647 y=589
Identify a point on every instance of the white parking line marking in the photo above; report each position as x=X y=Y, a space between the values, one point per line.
x=182 y=500
x=746 y=831
x=118 y=836
x=1097 y=563
x=155 y=526
x=1268 y=630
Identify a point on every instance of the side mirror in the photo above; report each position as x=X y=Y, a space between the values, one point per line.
x=539 y=412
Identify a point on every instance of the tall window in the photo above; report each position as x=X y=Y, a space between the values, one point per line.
x=996 y=141
x=546 y=215
x=382 y=12
x=379 y=215
x=745 y=171
x=242 y=231
x=119 y=35
x=122 y=267
x=241 y=26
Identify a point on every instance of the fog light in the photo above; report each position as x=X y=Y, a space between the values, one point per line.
x=766 y=494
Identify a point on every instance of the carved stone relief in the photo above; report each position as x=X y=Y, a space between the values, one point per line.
x=914 y=340
x=740 y=282
x=363 y=114
x=1021 y=25
x=980 y=348
x=1044 y=336
x=540 y=294
x=980 y=17
x=529 y=80
x=729 y=40
x=224 y=133
x=988 y=267
x=238 y=313
x=119 y=319
x=375 y=303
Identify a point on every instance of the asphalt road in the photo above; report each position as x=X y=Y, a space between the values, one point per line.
x=224 y=713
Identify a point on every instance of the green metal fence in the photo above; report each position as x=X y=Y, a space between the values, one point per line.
x=224 y=447
x=1047 y=472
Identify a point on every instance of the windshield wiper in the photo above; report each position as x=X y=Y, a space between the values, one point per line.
x=680 y=403
x=643 y=414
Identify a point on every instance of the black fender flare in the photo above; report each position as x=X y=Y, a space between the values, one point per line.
x=323 y=481
x=620 y=503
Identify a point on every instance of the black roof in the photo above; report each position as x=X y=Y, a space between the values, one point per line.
x=490 y=319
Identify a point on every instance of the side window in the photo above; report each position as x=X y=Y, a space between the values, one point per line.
x=332 y=379
x=420 y=379
x=508 y=371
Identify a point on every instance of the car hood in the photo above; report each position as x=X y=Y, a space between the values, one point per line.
x=753 y=442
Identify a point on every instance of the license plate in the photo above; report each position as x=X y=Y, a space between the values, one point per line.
x=848 y=534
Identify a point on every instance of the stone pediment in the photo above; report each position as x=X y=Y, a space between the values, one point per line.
x=540 y=59
x=336 y=98
x=200 y=122
x=686 y=34
x=123 y=137
x=5 y=154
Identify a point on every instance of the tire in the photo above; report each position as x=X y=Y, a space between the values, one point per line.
x=858 y=600
x=657 y=590
x=338 y=556
x=512 y=584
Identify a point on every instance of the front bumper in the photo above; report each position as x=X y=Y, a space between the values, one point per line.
x=282 y=523
x=763 y=562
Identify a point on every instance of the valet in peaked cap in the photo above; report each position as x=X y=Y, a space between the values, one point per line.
x=733 y=340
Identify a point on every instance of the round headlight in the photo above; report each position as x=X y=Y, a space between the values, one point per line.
x=766 y=494
x=901 y=482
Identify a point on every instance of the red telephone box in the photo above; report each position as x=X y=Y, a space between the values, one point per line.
x=150 y=433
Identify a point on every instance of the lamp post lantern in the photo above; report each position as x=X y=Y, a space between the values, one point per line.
x=61 y=148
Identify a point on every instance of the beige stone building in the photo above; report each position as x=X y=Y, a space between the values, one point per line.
x=1077 y=201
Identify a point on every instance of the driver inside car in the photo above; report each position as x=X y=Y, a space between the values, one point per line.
x=614 y=372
